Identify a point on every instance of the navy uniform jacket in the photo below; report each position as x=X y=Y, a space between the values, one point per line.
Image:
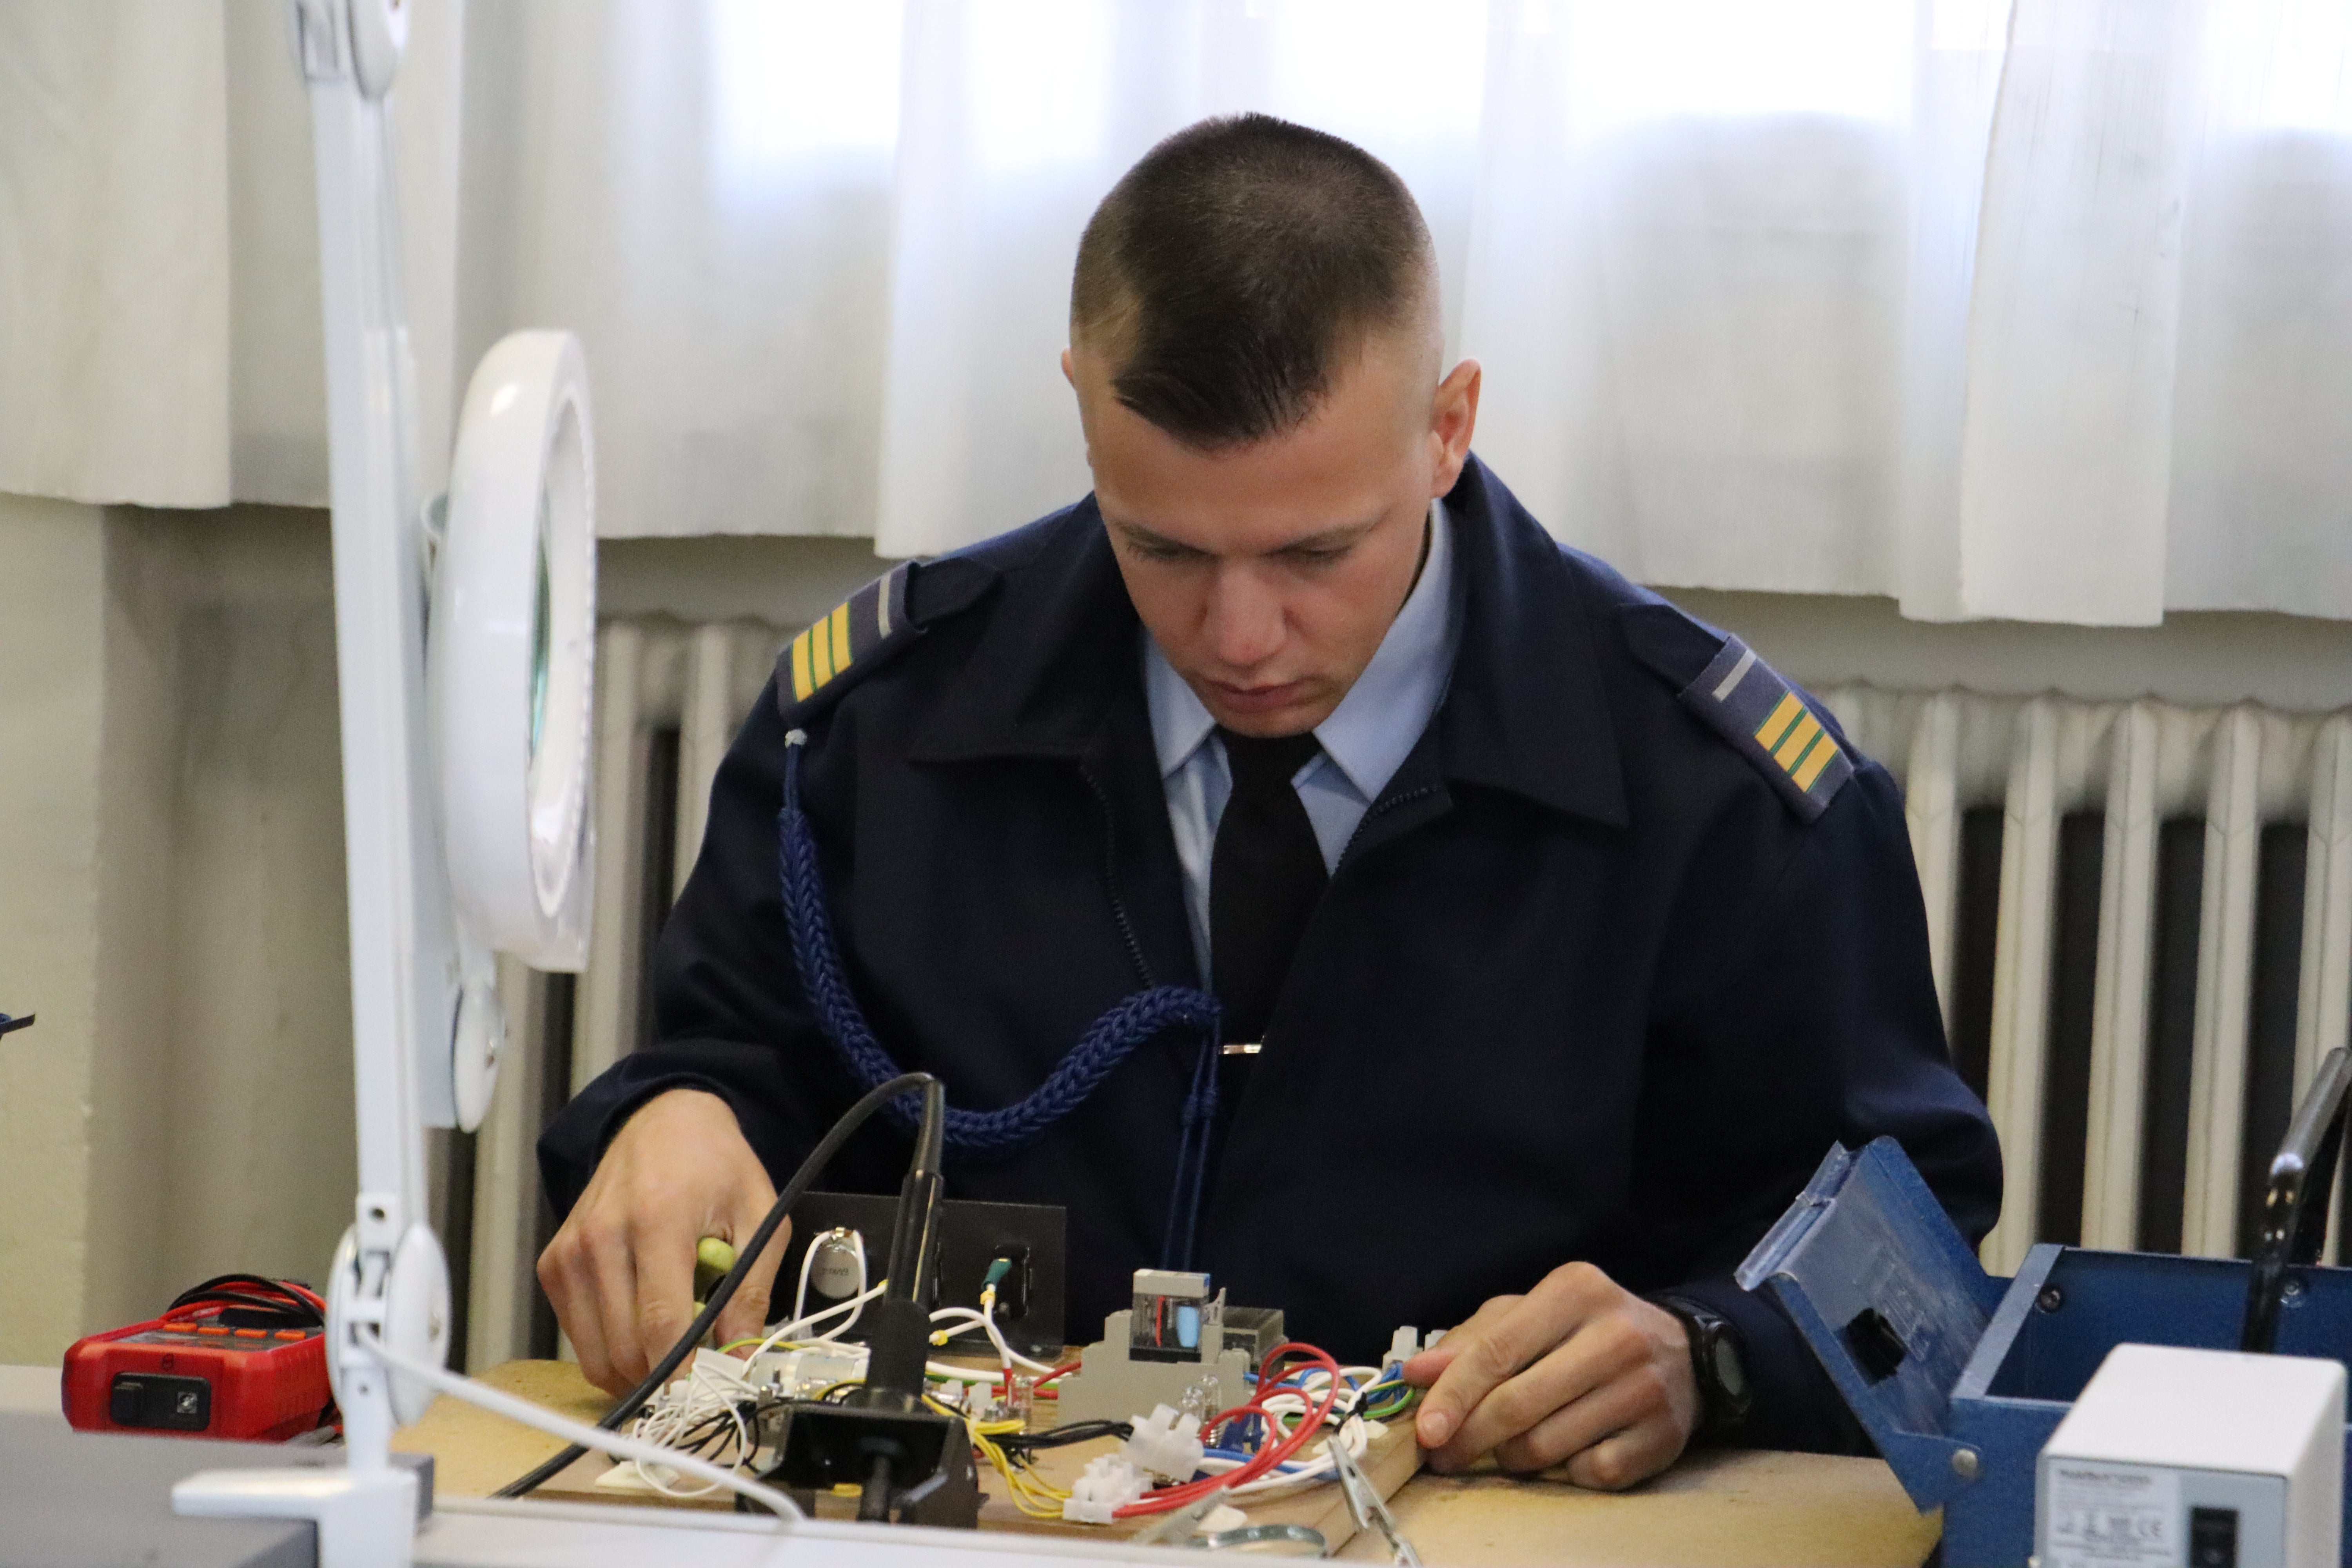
x=1586 y=984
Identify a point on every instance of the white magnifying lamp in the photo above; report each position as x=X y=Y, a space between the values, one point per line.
x=465 y=678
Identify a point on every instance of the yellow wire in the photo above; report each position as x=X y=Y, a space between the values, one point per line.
x=1030 y=1492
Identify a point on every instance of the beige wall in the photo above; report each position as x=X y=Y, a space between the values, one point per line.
x=171 y=905
x=52 y=650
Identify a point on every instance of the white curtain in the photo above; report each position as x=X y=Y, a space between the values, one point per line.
x=159 y=258
x=2039 y=310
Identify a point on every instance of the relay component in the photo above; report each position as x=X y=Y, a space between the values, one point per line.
x=1179 y=1345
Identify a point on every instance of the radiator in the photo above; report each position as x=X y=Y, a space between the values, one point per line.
x=2238 y=771
x=671 y=696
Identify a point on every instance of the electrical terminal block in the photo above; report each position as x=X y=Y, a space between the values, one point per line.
x=1403 y=1345
x=1166 y=1443
x=1108 y=1484
x=805 y=1373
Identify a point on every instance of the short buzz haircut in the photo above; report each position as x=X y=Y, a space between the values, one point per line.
x=1228 y=271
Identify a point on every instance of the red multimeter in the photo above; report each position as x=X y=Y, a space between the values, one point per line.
x=239 y=1356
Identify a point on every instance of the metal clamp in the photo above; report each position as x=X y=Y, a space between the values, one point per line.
x=1265 y=1540
x=2295 y=1225
x=1173 y=1529
x=1365 y=1504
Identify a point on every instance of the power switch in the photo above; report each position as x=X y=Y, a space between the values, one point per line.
x=172 y=1404
x=2212 y=1538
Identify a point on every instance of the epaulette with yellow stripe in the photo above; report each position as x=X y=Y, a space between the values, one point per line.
x=1745 y=700
x=860 y=633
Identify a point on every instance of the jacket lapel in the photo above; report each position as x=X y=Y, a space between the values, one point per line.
x=1058 y=677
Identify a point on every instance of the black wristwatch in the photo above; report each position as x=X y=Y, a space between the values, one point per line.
x=1717 y=1365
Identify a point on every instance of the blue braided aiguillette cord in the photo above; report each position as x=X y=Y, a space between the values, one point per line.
x=986 y=1134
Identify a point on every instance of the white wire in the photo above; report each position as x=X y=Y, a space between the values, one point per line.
x=796 y=1328
x=617 y=1444
x=808 y=1261
x=1010 y=1357
x=711 y=1387
x=963 y=1315
x=1355 y=1432
x=854 y=1307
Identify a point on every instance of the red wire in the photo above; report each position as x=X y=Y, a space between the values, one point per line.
x=1004 y=1381
x=194 y=1311
x=1267 y=1457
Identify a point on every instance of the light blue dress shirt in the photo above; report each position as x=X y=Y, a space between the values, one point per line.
x=1364 y=741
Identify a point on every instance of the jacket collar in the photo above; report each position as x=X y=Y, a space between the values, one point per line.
x=1525 y=712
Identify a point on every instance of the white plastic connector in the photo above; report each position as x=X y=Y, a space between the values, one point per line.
x=1108 y=1484
x=1166 y=1445
x=1403 y=1345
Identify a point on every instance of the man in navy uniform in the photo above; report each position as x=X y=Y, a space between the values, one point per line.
x=1556 y=937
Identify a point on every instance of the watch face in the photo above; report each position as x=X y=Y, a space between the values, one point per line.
x=1729 y=1374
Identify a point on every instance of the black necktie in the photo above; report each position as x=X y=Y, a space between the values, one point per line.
x=1265 y=875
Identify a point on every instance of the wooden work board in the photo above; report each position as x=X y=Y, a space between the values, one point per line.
x=475 y=1452
x=1719 y=1507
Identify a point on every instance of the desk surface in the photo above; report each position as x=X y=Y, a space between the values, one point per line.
x=1728 y=1507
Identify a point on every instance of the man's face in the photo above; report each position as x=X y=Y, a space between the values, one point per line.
x=1268 y=574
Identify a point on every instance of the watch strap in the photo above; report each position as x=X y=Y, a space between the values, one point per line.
x=1721 y=1408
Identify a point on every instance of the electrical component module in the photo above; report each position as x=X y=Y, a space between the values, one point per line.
x=836 y=1265
x=803 y=1373
x=1172 y=1348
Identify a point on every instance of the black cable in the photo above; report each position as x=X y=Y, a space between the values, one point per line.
x=724 y=1291
x=1060 y=1437
x=260 y=1303
x=271 y=1293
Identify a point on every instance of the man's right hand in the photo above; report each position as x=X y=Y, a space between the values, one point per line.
x=621 y=1271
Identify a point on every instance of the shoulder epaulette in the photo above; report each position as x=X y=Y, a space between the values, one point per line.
x=861 y=633
x=1747 y=701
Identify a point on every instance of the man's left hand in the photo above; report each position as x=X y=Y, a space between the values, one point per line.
x=1579 y=1370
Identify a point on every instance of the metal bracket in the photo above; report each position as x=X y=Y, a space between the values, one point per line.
x=366 y=1519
